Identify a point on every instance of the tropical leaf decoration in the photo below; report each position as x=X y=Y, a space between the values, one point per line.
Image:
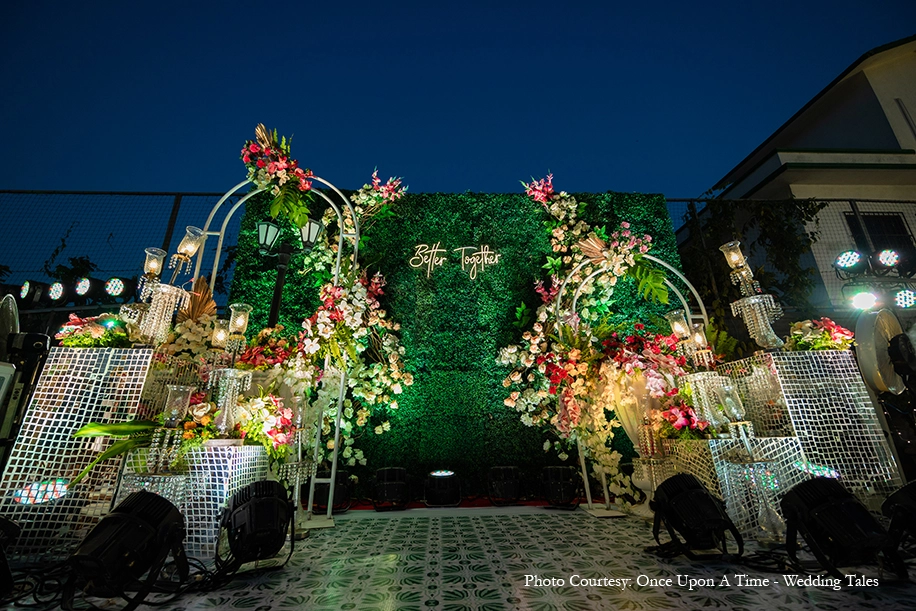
x=138 y=434
x=201 y=302
x=651 y=281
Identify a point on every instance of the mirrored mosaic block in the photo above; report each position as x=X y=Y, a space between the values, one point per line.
x=693 y=456
x=821 y=398
x=168 y=370
x=213 y=475
x=76 y=387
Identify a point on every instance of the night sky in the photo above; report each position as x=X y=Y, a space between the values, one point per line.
x=650 y=96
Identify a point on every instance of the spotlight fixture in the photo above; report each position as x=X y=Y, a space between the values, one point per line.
x=851 y=262
x=134 y=539
x=504 y=485
x=33 y=293
x=684 y=505
x=89 y=288
x=120 y=288
x=887 y=258
x=900 y=508
x=905 y=298
x=57 y=293
x=443 y=489
x=864 y=300
x=257 y=520
x=837 y=527
x=391 y=489
x=562 y=486
x=342 y=499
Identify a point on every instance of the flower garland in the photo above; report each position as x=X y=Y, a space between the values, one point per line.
x=271 y=347
x=562 y=368
x=271 y=168
x=104 y=331
x=823 y=334
x=265 y=420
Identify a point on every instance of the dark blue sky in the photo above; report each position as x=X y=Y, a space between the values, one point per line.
x=649 y=96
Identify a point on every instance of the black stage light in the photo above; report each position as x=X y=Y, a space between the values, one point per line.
x=443 y=489
x=900 y=507
x=562 y=487
x=89 y=289
x=684 y=505
x=391 y=489
x=57 y=294
x=9 y=532
x=257 y=519
x=134 y=539
x=322 y=489
x=122 y=289
x=504 y=485
x=836 y=525
x=32 y=292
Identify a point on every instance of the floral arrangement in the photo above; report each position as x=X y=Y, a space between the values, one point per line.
x=351 y=328
x=374 y=201
x=823 y=334
x=271 y=347
x=572 y=376
x=265 y=420
x=190 y=338
x=104 y=331
x=271 y=168
x=199 y=423
x=679 y=421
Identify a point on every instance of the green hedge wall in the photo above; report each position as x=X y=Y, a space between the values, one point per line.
x=453 y=327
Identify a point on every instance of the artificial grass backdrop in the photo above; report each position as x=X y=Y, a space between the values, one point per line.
x=452 y=327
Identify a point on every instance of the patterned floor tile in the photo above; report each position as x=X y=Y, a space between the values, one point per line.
x=521 y=559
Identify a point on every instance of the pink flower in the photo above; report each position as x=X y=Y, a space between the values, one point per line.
x=625 y=225
x=261 y=163
x=254 y=148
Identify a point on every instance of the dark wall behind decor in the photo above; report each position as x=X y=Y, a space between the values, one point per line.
x=452 y=326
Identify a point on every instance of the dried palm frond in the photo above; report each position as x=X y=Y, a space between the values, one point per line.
x=265 y=137
x=201 y=302
x=594 y=248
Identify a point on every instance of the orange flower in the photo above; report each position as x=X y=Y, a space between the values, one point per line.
x=188 y=435
x=205 y=420
x=188 y=426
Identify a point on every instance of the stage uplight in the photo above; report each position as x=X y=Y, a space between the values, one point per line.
x=864 y=300
x=837 y=527
x=687 y=508
x=850 y=261
x=905 y=298
x=443 y=489
x=392 y=491
x=134 y=539
x=257 y=520
x=888 y=258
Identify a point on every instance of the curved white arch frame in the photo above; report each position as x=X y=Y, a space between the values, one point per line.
x=602 y=269
x=354 y=238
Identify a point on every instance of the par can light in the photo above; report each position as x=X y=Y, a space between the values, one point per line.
x=888 y=258
x=905 y=298
x=864 y=301
x=848 y=260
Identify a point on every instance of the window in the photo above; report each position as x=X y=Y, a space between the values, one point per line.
x=887 y=230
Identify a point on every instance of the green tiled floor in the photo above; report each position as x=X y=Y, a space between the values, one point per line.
x=478 y=559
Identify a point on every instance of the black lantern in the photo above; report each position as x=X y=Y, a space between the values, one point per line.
x=310 y=233
x=268 y=233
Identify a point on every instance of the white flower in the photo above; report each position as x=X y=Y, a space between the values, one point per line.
x=546 y=446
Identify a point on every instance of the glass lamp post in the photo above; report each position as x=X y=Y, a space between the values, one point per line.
x=238 y=324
